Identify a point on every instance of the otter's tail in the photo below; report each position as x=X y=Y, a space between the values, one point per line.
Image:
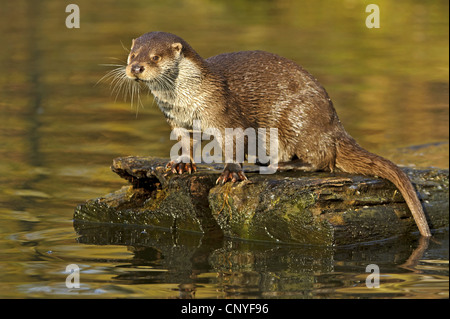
x=352 y=158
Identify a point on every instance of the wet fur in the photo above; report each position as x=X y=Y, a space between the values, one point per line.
x=259 y=90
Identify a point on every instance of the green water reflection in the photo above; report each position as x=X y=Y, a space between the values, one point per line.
x=60 y=131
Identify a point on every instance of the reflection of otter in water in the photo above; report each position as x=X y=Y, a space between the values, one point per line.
x=259 y=90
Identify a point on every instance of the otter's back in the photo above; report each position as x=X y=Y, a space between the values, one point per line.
x=262 y=72
x=271 y=87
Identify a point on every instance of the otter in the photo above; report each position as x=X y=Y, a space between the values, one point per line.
x=255 y=89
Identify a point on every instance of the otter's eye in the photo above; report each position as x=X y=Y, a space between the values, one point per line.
x=132 y=56
x=156 y=58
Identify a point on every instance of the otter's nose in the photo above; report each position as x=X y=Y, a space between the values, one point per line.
x=136 y=69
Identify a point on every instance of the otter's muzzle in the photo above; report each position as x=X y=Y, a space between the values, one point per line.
x=137 y=69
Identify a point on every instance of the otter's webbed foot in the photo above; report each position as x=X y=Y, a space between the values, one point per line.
x=231 y=172
x=181 y=165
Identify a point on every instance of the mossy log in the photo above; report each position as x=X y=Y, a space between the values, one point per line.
x=287 y=207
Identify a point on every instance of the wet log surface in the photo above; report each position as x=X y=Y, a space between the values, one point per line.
x=287 y=207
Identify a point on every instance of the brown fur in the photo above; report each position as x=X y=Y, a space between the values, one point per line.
x=260 y=90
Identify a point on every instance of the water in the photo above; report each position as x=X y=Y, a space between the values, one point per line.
x=60 y=131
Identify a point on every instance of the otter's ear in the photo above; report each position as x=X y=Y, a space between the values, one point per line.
x=177 y=47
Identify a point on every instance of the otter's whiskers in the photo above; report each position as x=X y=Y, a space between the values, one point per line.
x=121 y=85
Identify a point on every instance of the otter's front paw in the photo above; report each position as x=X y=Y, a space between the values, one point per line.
x=232 y=172
x=179 y=167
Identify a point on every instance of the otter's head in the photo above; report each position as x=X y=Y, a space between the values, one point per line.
x=153 y=55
